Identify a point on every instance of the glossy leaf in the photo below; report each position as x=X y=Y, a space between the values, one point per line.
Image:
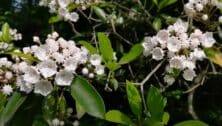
x=134 y=99
x=54 y=19
x=134 y=52
x=165 y=3
x=105 y=47
x=157 y=24
x=118 y=117
x=89 y=47
x=191 y=123
x=155 y=103
x=6 y=36
x=214 y=55
x=100 y=13
x=15 y=101
x=87 y=96
x=166 y=118
x=79 y=111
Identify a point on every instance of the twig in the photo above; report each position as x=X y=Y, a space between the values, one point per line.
x=190 y=105
x=74 y=29
x=145 y=80
x=151 y=73
x=131 y=71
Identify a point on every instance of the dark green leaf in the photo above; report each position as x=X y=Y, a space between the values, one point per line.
x=15 y=101
x=134 y=99
x=39 y=122
x=165 y=3
x=89 y=47
x=118 y=117
x=105 y=47
x=87 y=96
x=155 y=103
x=191 y=123
x=134 y=52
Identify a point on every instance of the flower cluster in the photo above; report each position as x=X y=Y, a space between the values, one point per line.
x=181 y=49
x=65 y=8
x=6 y=76
x=200 y=8
x=55 y=62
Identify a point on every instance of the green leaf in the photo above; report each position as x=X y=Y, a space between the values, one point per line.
x=79 y=111
x=191 y=123
x=155 y=103
x=15 y=101
x=22 y=55
x=118 y=117
x=89 y=47
x=165 y=118
x=105 y=47
x=214 y=55
x=155 y=2
x=152 y=122
x=112 y=65
x=49 y=107
x=114 y=83
x=157 y=24
x=100 y=13
x=6 y=36
x=165 y=3
x=2 y=101
x=54 y=19
x=39 y=122
x=1 y=38
x=87 y=96
x=134 y=52
x=134 y=99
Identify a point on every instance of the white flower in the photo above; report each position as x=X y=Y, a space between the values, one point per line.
x=26 y=50
x=199 y=7
x=188 y=64
x=42 y=52
x=85 y=71
x=169 y=80
x=74 y=17
x=220 y=19
x=52 y=45
x=23 y=85
x=189 y=9
x=99 y=69
x=197 y=54
x=70 y=64
x=64 y=3
x=47 y=68
x=157 y=53
x=31 y=75
x=95 y=60
x=176 y=62
x=163 y=36
x=148 y=46
x=36 y=39
x=189 y=74
x=180 y=26
x=204 y=17
x=7 y=89
x=64 y=78
x=58 y=57
x=8 y=75
x=91 y=75
x=173 y=44
x=208 y=40
x=43 y=87
x=55 y=122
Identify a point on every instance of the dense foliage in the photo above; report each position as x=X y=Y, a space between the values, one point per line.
x=105 y=63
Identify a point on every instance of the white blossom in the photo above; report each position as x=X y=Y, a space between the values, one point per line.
x=95 y=60
x=100 y=69
x=43 y=87
x=47 y=68
x=7 y=89
x=173 y=44
x=85 y=71
x=168 y=79
x=157 y=53
x=208 y=40
x=189 y=74
x=31 y=75
x=64 y=78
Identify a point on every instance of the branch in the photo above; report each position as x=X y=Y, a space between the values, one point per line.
x=190 y=105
